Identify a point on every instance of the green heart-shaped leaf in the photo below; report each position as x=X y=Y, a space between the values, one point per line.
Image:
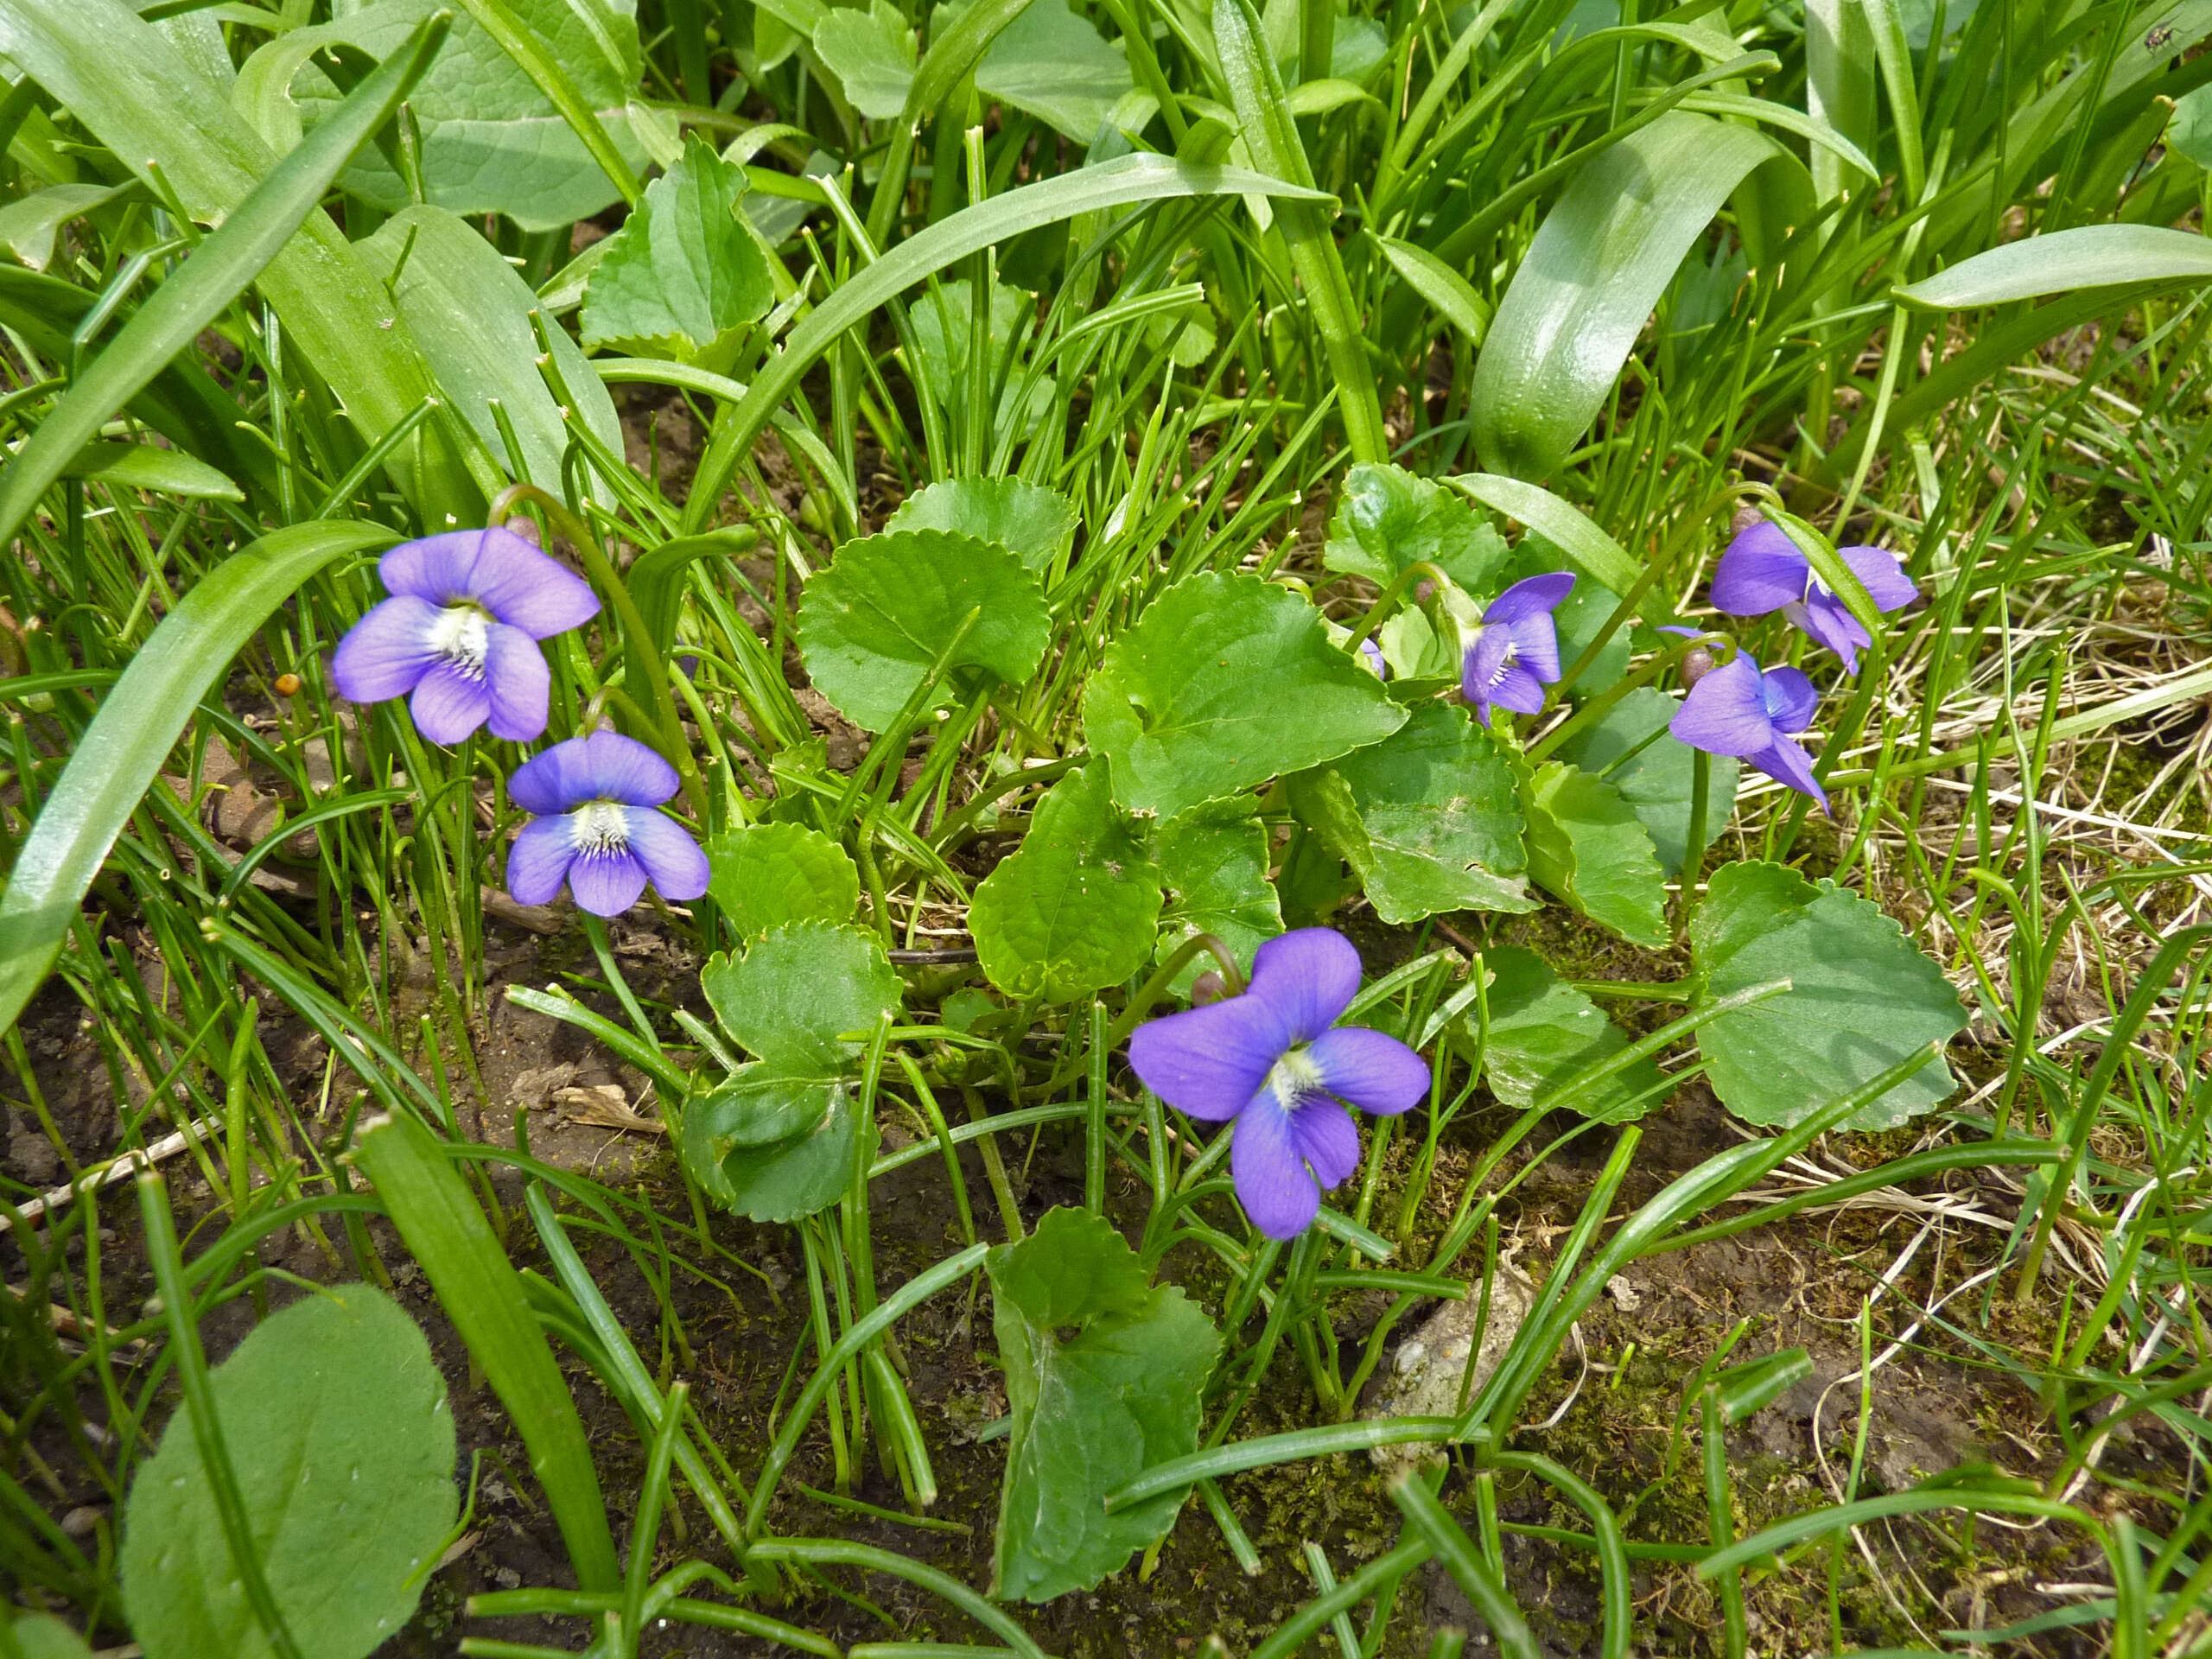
x=871 y=626
x=1225 y=682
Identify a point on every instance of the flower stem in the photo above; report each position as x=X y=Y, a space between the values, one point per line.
x=1722 y=647
x=1419 y=569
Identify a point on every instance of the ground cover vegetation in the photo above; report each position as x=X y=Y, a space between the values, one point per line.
x=1121 y=827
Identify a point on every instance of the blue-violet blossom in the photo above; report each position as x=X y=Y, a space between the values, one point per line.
x=1514 y=655
x=1764 y=570
x=596 y=827
x=1274 y=1059
x=1737 y=709
x=459 y=632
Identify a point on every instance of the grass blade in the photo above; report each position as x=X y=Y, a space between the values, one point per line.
x=217 y=270
x=482 y=1295
x=136 y=725
x=1433 y=1524
x=174 y=129
x=1119 y=183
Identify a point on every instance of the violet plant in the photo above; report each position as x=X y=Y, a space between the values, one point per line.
x=1273 y=1063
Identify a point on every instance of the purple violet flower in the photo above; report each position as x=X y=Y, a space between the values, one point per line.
x=1764 y=570
x=1514 y=655
x=597 y=829
x=1737 y=709
x=1371 y=654
x=460 y=633
x=1275 y=1060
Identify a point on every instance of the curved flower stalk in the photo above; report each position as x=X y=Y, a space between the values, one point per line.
x=1276 y=1061
x=597 y=829
x=459 y=636
x=1514 y=654
x=1764 y=570
x=1740 y=710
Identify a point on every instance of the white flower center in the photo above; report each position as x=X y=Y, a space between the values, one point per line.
x=1294 y=1077
x=460 y=636
x=601 y=827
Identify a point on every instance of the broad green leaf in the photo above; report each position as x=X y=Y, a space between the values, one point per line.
x=28 y=226
x=2189 y=131
x=1214 y=865
x=1596 y=555
x=682 y=275
x=1584 y=291
x=1587 y=848
x=1544 y=1034
x=272 y=231
x=1050 y=63
x=2089 y=255
x=767 y=874
x=1840 y=80
x=944 y=322
x=143 y=467
x=1429 y=817
x=796 y=995
x=1103 y=1372
x=1449 y=294
x=771 y=1144
x=335 y=1420
x=1385 y=520
x=493 y=140
x=137 y=724
x=1226 y=681
x=871 y=626
x=1631 y=749
x=1075 y=908
x=41 y=1636
x=1862 y=998
x=444 y=1227
x=1036 y=523
x=872 y=55
x=1124 y=182
x=469 y=311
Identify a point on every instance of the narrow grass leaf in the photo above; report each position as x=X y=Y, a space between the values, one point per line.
x=213 y=275
x=445 y=1231
x=137 y=724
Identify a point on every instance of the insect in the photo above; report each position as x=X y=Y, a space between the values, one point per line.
x=2157 y=37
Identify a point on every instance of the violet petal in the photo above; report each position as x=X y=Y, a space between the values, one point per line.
x=1786 y=762
x=1725 y=713
x=386 y=652
x=606 y=884
x=1518 y=690
x=1328 y=1140
x=519 y=682
x=1789 y=699
x=605 y=766
x=1820 y=616
x=1209 y=1062
x=1761 y=571
x=1305 y=978
x=1882 y=574
x=448 y=704
x=1269 y=1169
x=1371 y=1068
x=528 y=589
x=671 y=858
x=538 y=861
x=1533 y=596
x=432 y=567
